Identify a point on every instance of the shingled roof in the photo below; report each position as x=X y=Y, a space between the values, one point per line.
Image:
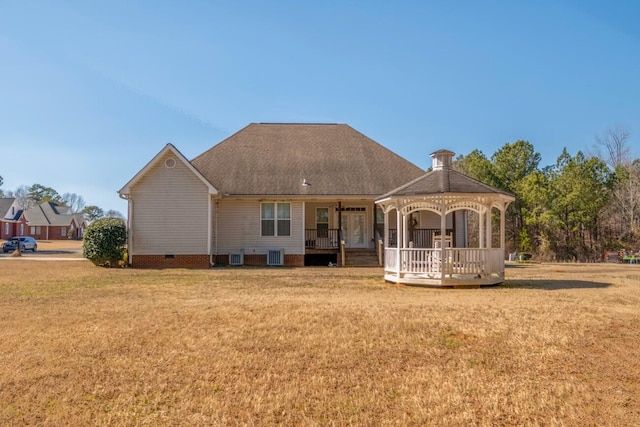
x=275 y=159
x=5 y=209
x=49 y=213
x=443 y=179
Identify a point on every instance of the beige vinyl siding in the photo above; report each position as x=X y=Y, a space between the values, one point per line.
x=170 y=211
x=430 y=219
x=310 y=214
x=239 y=228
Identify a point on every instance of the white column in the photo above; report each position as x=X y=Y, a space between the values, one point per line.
x=405 y=229
x=481 y=229
x=489 y=231
x=399 y=238
x=386 y=228
x=502 y=227
x=443 y=240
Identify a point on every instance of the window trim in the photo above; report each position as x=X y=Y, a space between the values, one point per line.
x=275 y=220
x=324 y=230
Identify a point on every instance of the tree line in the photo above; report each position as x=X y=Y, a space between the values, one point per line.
x=574 y=210
x=30 y=196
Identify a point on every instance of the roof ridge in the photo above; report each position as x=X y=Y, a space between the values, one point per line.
x=298 y=123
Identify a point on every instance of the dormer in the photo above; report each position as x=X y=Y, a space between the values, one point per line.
x=442 y=159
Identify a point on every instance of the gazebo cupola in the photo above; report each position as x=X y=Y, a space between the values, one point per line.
x=442 y=159
x=444 y=191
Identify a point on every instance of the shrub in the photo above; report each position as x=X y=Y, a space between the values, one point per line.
x=104 y=242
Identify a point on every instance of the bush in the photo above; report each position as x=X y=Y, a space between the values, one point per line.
x=104 y=242
x=523 y=256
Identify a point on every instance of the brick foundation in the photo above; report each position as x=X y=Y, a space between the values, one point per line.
x=256 y=260
x=202 y=261
x=294 y=260
x=170 y=261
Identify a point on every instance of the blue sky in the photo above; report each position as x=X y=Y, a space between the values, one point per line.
x=90 y=91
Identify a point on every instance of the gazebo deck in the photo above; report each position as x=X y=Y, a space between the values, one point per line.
x=448 y=267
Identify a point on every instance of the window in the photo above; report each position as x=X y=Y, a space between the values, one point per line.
x=34 y=231
x=275 y=219
x=379 y=215
x=6 y=228
x=322 y=222
x=63 y=231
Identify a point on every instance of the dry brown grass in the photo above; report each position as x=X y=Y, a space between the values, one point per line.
x=81 y=345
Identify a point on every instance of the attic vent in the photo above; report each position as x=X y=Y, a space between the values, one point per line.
x=170 y=163
x=275 y=257
x=236 y=258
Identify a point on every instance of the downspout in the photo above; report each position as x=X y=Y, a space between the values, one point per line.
x=215 y=230
x=209 y=228
x=130 y=227
x=129 y=222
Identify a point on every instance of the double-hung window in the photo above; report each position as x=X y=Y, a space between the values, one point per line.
x=275 y=219
x=322 y=222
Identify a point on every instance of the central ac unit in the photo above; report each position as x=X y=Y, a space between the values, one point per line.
x=275 y=257
x=236 y=258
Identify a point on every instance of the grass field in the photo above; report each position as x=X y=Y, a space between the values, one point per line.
x=80 y=345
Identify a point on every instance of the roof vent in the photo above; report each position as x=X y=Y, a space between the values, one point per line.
x=170 y=163
x=442 y=159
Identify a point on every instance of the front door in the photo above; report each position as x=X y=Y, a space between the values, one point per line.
x=354 y=229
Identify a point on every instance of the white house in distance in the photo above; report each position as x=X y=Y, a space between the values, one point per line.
x=272 y=194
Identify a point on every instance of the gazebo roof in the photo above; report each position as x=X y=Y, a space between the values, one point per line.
x=443 y=179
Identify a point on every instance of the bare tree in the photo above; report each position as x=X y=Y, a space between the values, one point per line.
x=22 y=196
x=614 y=141
x=114 y=214
x=74 y=201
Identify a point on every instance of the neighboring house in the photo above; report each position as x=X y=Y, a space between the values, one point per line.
x=52 y=221
x=10 y=214
x=283 y=194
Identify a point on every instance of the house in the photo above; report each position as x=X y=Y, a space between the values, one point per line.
x=52 y=221
x=10 y=214
x=270 y=194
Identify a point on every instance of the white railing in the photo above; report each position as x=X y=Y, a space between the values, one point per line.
x=390 y=259
x=456 y=261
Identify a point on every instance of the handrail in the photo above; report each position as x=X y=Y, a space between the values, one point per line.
x=470 y=261
x=321 y=239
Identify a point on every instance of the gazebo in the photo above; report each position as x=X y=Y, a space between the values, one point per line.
x=445 y=257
